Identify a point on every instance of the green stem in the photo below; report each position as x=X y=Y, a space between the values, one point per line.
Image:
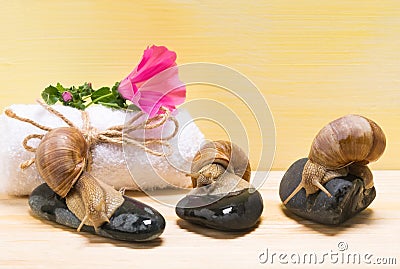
x=109 y=104
x=98 y=99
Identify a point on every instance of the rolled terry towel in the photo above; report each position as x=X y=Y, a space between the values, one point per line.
x=112 y=163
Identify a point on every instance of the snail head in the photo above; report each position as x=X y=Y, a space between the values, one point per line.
x=207 y=175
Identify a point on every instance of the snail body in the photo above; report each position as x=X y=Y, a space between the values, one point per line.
x=222 y=197
x=92 y=201
x=214 y=158
x=345 y=145
x=61 y=160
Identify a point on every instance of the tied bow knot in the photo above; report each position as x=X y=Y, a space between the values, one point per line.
x=118 y=134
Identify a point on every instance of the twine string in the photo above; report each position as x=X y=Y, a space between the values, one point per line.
x=56 y=113
x=117 y=134
x=29 y=137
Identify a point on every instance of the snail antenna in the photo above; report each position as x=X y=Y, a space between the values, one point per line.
x=298 y=188
x=322 y=188
x=82 y=223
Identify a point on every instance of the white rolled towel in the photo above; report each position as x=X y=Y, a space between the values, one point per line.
x=109 y=160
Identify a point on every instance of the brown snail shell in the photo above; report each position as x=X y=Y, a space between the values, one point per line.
x=214 y=158
x=349 y=139
x=61 y=160
x=344 y=145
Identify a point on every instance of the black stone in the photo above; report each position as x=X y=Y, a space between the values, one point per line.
x=132 y=221
x=235 y=211
x=349 y=197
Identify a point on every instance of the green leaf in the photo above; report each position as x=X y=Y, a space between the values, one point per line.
x=85 y=89
x=80 y=105
x=115 y=88
x=118 y=98
x=112 y=105
x=51 y=95
x=108 y=97
x=101 y=94
x=132 y=107
x=81 y=94
x=60 y=88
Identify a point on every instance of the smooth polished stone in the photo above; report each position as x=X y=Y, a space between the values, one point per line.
x=349 y=197
x=132 y=221
x=235 y=211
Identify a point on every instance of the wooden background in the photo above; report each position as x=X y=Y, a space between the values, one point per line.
x=312 y=60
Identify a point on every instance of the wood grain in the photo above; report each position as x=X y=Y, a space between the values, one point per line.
x=29 y=242
x=312 y=61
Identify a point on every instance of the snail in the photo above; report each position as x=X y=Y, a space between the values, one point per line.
x=222 y=197
x=62 y=159
x=214 y=158
x=345 y=145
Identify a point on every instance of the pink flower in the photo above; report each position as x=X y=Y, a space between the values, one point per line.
x=154 y=82
x=66 y=96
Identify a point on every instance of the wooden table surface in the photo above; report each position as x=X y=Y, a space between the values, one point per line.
x=30 y=242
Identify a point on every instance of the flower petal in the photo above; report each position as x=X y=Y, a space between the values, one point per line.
x=127 y=89
x=155 y=59
x=164 y=89
x=154 y=82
